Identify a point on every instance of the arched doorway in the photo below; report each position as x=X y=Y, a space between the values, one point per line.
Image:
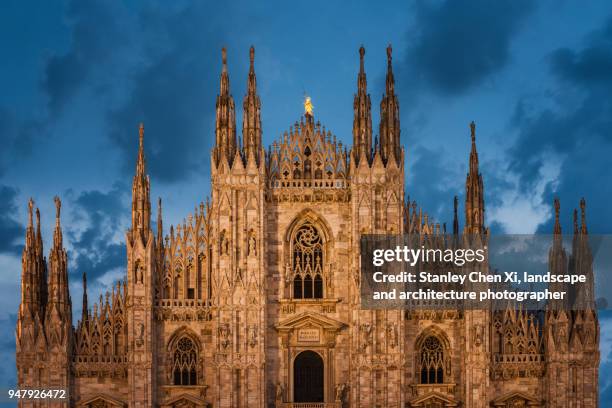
x=308 y=377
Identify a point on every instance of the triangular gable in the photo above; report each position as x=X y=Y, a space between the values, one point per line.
x=421 y=400
x=198 y=402
x=102 y=397
x=503 y=400
x=309 y=319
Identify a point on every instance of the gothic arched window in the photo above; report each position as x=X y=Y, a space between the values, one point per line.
x=307 y=257
x=185 y=361
x=431 y=360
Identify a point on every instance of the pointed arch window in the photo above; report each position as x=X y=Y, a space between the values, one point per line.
x=431 y=361
x=307 y=262
x=184 y=364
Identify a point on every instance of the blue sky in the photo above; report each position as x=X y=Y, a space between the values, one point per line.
x=77 y=78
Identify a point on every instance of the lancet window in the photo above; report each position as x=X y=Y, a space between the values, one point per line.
x=184 y=365
x=307 y=262
x=431 y=361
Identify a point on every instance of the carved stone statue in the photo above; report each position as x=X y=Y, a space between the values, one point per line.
x=339 y=390
x=280 y=390
x=392 y=334
x=252 y=335
x=252 y=246
x=224 y=335
x=366 y=331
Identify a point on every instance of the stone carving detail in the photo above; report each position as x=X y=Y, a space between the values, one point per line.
x=224 y=335
x=252 y=335
x=392 y=334
x=365 y=336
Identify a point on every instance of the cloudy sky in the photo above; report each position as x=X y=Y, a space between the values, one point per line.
x=77 y=78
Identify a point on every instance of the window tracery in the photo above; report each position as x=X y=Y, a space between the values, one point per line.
x=431 y=361
x=307 y=263
x=184 y=364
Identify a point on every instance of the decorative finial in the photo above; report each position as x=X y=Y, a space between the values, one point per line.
x=38 y=219
x=224 y=56
x=30 y=208
x=58 y=207
x=308 y=106
x=575 y=221
x=252 y=55
x=361 y=54
x=141 y=133
x=473 y=130
x=389 y=51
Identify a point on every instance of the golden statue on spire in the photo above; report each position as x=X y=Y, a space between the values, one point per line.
x=308 y=107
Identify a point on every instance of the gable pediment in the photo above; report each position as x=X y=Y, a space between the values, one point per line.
x=309 y=320
x=97 y=399
x=433 y=397
x=185 y=400
x=518 y=396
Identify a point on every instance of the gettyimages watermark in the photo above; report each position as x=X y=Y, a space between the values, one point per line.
x=533 y=272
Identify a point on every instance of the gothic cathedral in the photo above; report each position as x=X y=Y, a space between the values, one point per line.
x=254 y=300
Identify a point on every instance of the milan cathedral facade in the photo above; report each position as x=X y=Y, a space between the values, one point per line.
x=254 y=300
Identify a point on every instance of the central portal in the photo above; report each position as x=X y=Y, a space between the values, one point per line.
x=308 y=377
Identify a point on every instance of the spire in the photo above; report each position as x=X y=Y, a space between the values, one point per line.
x=141 y=205
x=38 y=233
x=57 y=233
x=251 y=121
x=389 y=118
x=455 y=217
x=575 y=222
x=59 y=297
x=557 y=227
x=160 y=235
x=41 y=269
x=362 y=119
x=225 y=131
x=29 y=263
x=85 y=312
x=30 y=227
x=474 y=192
x=583 y=227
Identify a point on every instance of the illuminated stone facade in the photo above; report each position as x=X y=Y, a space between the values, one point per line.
x=254 y=300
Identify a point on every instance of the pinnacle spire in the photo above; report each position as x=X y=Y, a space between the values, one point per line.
x=389 y=117
x=225 y=130
x=251 y=119
x=583 y=227
x=85 y=311
x=30 y=207
x=362 y=119
x=141 y=205
x=390 y=81
x=57 y=234
x=474 y=191
x=59 y=304
x=557 y=228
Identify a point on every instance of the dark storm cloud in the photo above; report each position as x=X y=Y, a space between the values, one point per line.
x=99 y=34
x=10 y=230
x=99 y=247
x=174 y=93
x=159 y=65
x=434 y=185
x=577 y=136
x=458 y=44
